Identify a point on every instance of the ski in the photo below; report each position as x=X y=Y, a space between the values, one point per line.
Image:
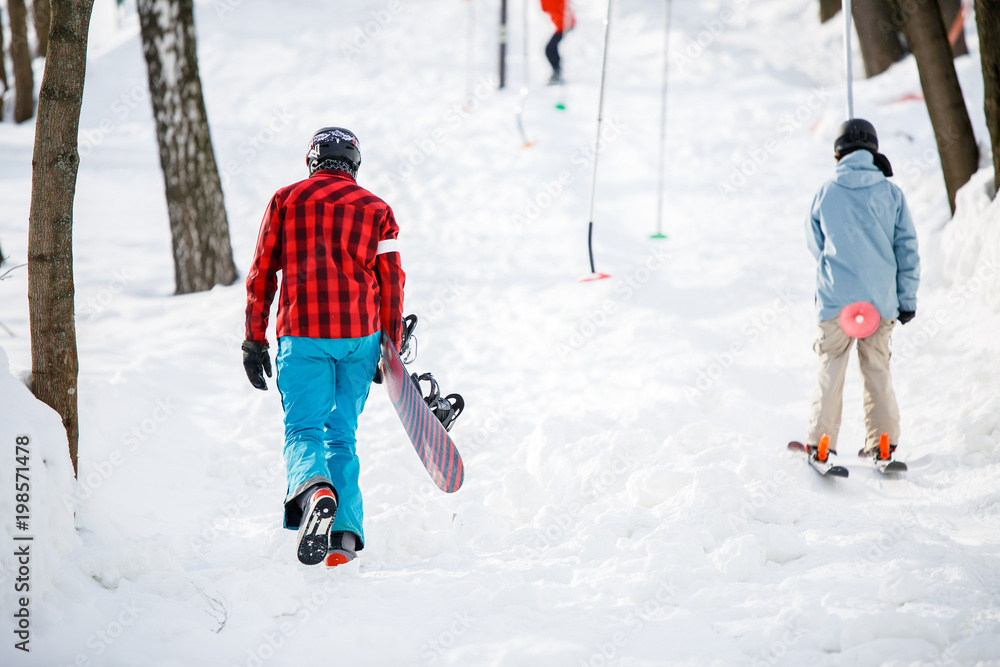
x=890 y=466
x=822 y=467
x=882 y=457
x=428 y=435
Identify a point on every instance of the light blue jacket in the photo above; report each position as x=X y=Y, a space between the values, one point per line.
x=862 y=236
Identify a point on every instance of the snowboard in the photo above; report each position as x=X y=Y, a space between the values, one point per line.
x=431 y=441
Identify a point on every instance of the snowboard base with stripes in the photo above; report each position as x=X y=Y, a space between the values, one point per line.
x=431 y=441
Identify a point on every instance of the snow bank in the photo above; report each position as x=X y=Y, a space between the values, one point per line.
x=35 y=475
x=969 y=249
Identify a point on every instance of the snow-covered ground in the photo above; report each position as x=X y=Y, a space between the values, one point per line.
x=628 y=498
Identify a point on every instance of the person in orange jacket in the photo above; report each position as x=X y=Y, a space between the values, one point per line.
x=562 y=16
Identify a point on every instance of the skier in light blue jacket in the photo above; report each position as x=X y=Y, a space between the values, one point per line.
x=862 y=236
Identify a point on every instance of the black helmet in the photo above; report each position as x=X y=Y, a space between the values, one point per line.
x=334 y=148
x=855 y=134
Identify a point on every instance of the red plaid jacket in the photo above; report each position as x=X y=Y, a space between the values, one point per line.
x=334 y=243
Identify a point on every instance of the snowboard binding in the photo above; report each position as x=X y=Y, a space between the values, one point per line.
x=445 y=408
x=408 y=346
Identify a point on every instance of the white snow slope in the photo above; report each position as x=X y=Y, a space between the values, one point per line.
x=629 y=499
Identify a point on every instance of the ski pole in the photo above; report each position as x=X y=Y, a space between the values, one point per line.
x=519 y=109
x=663 y=126
x=594 y=275
x=503 y=42
x=470 y=51
x=847 y=57
x=524 y=29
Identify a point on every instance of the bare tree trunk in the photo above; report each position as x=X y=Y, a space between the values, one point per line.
x=55 y=161
x=988 y=23
x=41 y=11
x=3 y=69
x=955 y=140
x=20 y=55
x=828 y=9
x=949 y=12
x=877 y=36
x=203 y=256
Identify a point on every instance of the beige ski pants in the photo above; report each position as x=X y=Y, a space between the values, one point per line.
x=881 y=411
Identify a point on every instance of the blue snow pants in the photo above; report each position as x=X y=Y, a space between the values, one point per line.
x=324 y=384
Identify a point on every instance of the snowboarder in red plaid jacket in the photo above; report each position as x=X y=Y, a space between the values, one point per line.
x=341 y=286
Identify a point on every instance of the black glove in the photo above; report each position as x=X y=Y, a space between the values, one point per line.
x=256 y=362
x=906 y=315
x=378 y=375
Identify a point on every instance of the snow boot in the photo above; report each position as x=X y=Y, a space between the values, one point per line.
x=341 y=549
x=314 y=531
x=876 y=454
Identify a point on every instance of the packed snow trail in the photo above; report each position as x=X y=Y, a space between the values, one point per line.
x=628 y=498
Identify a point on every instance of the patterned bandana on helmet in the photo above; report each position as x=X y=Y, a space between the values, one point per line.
x=334 y=148
x=339 y=164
